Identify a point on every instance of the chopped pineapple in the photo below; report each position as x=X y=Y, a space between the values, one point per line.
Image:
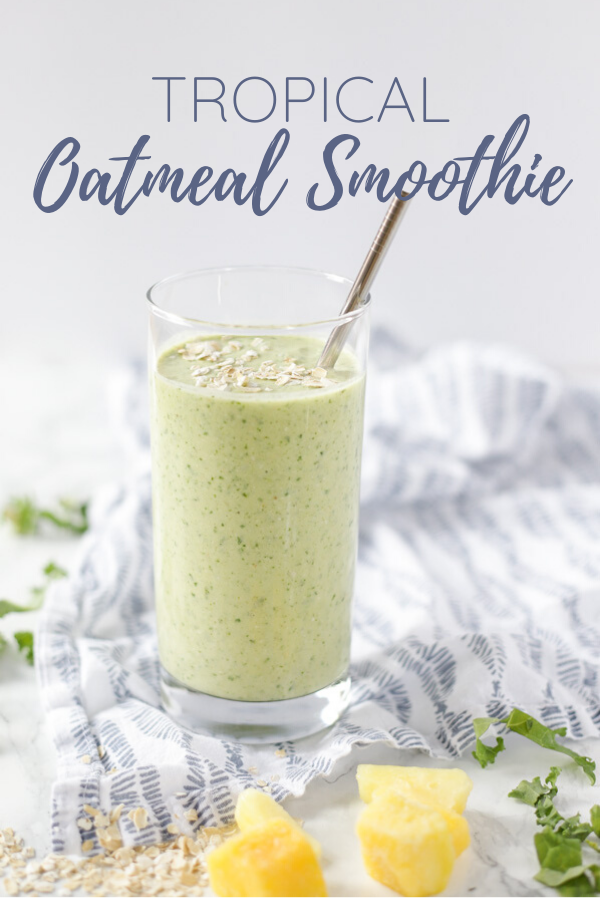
x=273 y=859
x=255 y=807
x=412 y=831
x=457 y=825
x=448 y=788
x=406 y=845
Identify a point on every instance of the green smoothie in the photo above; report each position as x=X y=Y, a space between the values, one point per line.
x=256 y=463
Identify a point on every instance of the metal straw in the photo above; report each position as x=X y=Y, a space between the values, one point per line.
x=364 y=280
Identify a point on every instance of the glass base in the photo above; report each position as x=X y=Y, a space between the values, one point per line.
x=254 y=722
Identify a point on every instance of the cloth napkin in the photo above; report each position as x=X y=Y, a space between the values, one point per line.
x=478 y=588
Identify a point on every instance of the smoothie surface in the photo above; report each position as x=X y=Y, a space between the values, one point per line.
x=256 y=462
x=248 y=364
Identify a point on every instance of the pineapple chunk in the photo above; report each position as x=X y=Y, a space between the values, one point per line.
x=448 y=788
x=273 y=859
x=457 y=825
x=254 y=807
x=406 y=845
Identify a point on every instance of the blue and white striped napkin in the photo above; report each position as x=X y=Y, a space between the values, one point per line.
x=478 y=588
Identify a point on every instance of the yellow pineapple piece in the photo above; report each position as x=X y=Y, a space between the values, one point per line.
x=448 y=788
x=406 y=845
x=255 y=807
x=457 y=825
x=273 y=859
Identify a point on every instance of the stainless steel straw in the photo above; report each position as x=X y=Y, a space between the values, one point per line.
x=364 y=280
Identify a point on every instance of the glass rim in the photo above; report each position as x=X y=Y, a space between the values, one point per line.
x=176 y=319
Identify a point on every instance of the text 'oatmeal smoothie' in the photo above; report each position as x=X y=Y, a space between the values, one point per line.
x=256 y=461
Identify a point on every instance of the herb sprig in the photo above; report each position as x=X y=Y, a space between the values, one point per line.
x=26 y=517
x=24 y=639
x=51 y=571
x=524 y=724
x=561 y=842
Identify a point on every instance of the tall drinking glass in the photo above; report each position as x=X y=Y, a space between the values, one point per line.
x=255 y=470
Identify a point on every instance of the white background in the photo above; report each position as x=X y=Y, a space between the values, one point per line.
x=74 y=281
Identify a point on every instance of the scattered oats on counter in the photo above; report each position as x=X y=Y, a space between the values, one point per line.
x=222 y=369
x=174 y=868
x=139 y=817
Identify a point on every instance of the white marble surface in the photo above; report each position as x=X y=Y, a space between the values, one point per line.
x=56 y=439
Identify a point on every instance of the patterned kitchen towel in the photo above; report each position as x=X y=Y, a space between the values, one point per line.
x=478 y=588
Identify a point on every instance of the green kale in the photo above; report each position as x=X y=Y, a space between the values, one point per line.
x=525 y=725
x=560 y=857
x=25 y=516
x=560 y=843
x=7 y=606
x=24 y=641
x=483 y=753
x=52 y=572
